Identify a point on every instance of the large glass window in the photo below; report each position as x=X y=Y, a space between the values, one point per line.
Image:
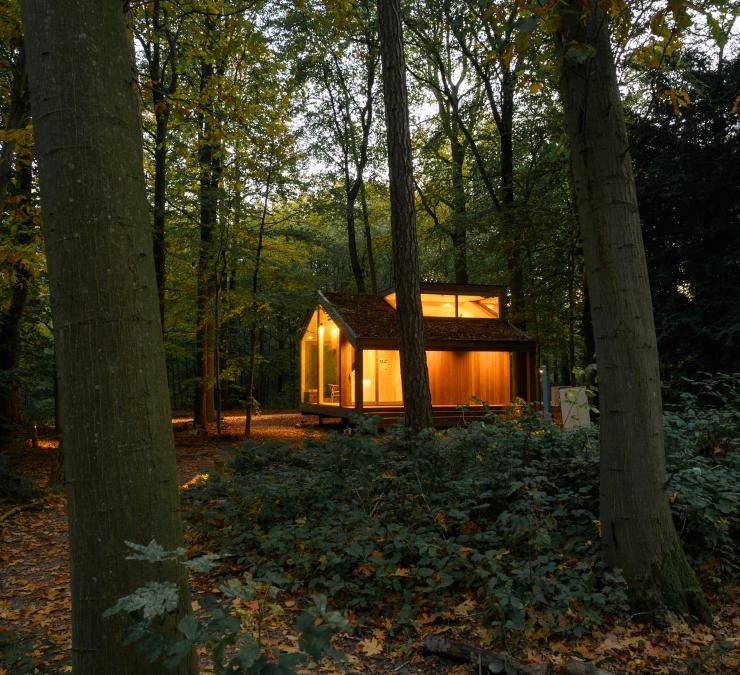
x=320 y=360
x=381 y=377
x=310 y=361
x=328 y=359
x=451 y=305
x=477 y=307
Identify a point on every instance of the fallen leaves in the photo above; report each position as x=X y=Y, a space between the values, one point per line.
x=34 y=598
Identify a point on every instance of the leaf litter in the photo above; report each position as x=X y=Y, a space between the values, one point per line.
x=35 y=599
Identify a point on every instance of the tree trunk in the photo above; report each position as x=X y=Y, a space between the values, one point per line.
x=255 y=308
x=210 y=168
x=19 y=117
x=414 y=375
x=160 y=186
x=119 y=449
x=638 y=532
x=354 y=258
x=368 y=240
x=459 y=224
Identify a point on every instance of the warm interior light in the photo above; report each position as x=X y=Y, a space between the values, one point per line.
x=366 y=382
x=447 y=304
x=321 y=330
x=333 y=331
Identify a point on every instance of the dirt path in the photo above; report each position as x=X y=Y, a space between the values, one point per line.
x=34 y=552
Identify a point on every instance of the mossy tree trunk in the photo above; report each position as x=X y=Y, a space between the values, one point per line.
x=637 y=528
x=119 y=450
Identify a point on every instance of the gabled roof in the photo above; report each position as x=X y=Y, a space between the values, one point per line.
x=368 y=320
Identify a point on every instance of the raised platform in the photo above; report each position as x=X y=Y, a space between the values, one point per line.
x=444 y=415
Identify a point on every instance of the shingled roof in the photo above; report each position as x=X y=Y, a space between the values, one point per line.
x=369 y=318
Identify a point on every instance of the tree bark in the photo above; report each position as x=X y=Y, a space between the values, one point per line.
x=368 y=239
x=637 y=529
x=119 y=449
x=210 y=173
x=252 y=361
x=414 y=375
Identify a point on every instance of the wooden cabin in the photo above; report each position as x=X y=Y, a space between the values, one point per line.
x=350 y=354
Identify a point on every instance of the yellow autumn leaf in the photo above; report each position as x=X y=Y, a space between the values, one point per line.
x=535 y=87
x=371 y=646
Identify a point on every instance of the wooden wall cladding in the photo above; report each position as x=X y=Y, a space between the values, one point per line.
x=455 y=377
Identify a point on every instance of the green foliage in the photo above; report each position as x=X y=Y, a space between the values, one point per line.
x=220 y=631
x=13 y=486
x=18 y=656
x=504 y=509
x=703 y=456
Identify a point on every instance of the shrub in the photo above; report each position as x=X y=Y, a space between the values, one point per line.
x=504 y=510
x=13 y=486
x=703 y=459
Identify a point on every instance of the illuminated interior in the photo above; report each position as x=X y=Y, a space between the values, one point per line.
x=452 y=304
x=320 y=360
x=454 y=378
x=381 y=378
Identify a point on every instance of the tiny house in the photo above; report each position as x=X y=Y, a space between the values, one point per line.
x=350 y=359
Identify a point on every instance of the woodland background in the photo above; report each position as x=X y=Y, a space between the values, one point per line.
x=266 y=174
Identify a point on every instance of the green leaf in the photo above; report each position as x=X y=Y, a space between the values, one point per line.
x=719 y=35
x=580 y=53
x=189 y=626
x=152 y=552
x=151 y=600
x=526 y=24
x=204 y=563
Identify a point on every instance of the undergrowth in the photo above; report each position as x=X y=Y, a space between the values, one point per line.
x=504 y=510
x=13 y=486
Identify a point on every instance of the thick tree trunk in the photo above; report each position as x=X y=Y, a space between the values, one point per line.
x=414 y=375
x=638 y=532
x=119 y=450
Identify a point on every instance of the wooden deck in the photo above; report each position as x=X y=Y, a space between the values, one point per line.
x=444 y=416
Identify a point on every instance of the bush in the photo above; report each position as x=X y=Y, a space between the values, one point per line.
x=13 y=486
x=503 y=510
x=703 y=459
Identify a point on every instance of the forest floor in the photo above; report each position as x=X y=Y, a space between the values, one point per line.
x=35 y=597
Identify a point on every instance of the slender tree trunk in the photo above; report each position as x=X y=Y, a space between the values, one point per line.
x=210 y=167
x=414 y=375
x=368 y=240
x=459 y=224
x=255 y=308
x=354 y=258
x=637 y=529
x=161 y=117
x=119 y=450
x=160 y=187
